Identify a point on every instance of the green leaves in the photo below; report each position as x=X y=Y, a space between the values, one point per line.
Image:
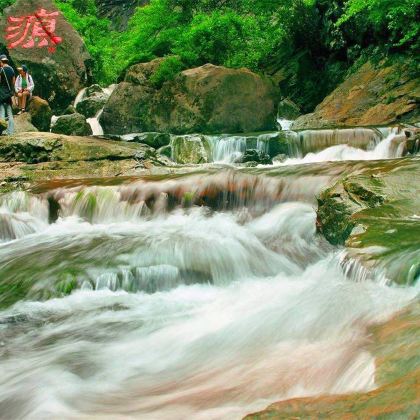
x=399 y=20
x=321 y=38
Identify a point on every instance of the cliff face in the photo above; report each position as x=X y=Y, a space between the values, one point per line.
x=119 y=11
x=375 y=94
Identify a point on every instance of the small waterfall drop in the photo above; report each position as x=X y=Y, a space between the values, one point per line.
x=95 y=125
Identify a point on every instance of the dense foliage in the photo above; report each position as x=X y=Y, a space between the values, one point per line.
x=308 y=45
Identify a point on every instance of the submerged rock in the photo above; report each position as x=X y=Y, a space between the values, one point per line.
x=373 y=95
x=72 y=125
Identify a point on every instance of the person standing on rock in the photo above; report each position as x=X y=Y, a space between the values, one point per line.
x=7 y=82
x=24 y=87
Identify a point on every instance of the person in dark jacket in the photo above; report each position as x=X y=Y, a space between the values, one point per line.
x=7 y=83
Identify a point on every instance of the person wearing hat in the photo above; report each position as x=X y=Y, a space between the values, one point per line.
x=24 y=87
x=7 y=82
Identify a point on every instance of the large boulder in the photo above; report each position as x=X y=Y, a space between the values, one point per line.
x=40 y=113
x=125 y=110
x=207 y=99
x=72 y=125
x=59 y=63
x=373 y=95
x=216 y=99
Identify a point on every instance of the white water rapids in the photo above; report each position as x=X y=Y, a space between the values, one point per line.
x=175 y=314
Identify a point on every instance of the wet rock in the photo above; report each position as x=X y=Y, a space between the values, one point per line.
x=374 y=213
x=193 y=149
x=273 y=143
x=412 y=135
x=59 y=75
x=165 y=151
x=374 y=95
x=72 y=125
x=40 y=112
x=256 y=157
x=280 y=158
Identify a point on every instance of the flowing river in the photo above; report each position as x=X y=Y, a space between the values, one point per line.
x=204 y=295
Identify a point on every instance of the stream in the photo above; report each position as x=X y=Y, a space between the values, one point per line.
x=203 y=295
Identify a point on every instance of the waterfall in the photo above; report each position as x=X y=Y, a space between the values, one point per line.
x=227 y=149
x=95 y=125
x=284 y=124
x=293 y=147
x=79 y=96
x=387 y=148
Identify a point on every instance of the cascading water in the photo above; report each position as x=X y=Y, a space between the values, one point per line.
x=203 y=296
x=306 y=146
x=227 y=149
x=94 y=123
x=387 y=148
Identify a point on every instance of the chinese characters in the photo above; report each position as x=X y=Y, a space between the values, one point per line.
x=37 y=30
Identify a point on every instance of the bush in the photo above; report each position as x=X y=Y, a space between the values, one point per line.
x=167 y=70
x=395 y=23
